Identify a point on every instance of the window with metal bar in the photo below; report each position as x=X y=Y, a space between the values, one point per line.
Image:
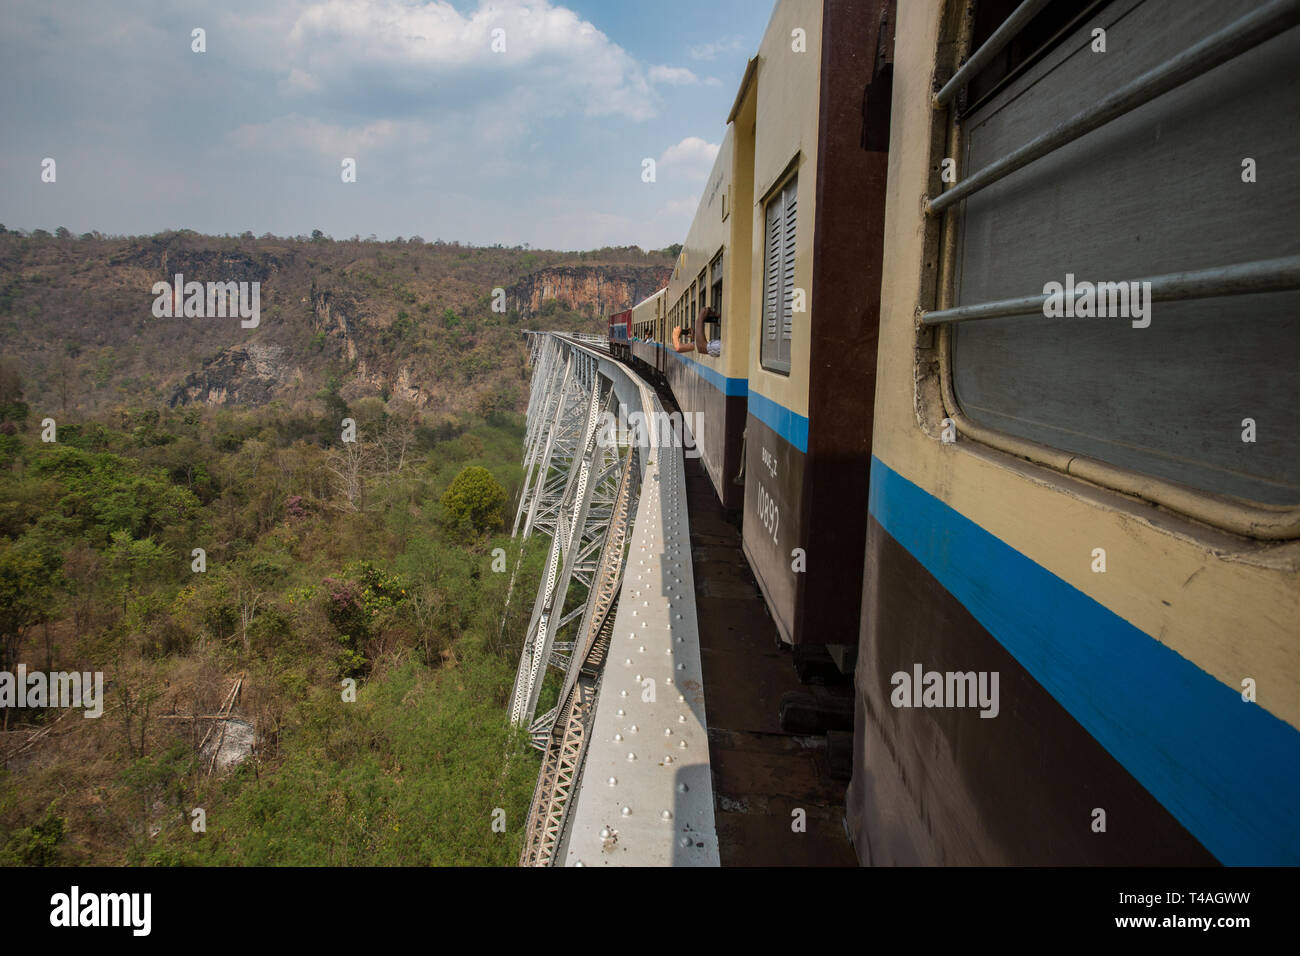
x=778 y=277
x=715 y=274
x=1089 y=171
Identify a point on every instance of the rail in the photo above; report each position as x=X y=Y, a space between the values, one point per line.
x=625 y=777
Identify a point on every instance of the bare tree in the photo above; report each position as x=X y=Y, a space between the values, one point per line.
x=350 y=466
x=247 y=597
x=396 y=440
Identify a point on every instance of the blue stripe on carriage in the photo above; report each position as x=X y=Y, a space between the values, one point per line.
x=789 y=425
x=727 y=386
x=1229 y=771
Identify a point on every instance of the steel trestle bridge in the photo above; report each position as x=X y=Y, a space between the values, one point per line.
x=625 y=774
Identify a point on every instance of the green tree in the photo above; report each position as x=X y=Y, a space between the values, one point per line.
x=36 y=845
x=474 y=502
x=133 y=562
x=26 y=593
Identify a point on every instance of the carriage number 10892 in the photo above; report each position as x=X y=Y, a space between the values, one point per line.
x=768 y=512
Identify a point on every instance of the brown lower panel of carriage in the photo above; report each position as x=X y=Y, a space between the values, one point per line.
x=795 y=516
x=770 y=528
x=723 y=426
x=762 y=776
x=943 y=786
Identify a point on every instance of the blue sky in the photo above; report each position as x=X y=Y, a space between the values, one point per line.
x=540 y=144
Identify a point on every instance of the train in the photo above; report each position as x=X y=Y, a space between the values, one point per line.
x=990 y=311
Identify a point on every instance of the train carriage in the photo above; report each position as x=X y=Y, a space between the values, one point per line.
x=620 y=334
x=707 y=301
x=646 y=329
x=813 y=111
x=1085 y=506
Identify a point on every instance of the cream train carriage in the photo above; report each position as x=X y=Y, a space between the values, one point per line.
x=709 y=292
x=1101 y=509
x=780 y=273
x=647 y=332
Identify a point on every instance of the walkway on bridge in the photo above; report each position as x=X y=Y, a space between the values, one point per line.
x=623 y=611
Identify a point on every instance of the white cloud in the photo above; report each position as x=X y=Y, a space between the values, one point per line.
x=328 y=139
x=673 y=76
x=679 y=209
x=708 y=51
x=690 y=160
x=541 y=143
x=430 y=52
x=301 y=82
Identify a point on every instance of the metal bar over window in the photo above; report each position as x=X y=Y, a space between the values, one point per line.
x=1245 y=278
x=991 y=48
x=1218 y=48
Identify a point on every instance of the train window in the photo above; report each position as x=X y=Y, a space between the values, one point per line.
x=778 y=277
x=1121 y=300
x=715 y=273
x=1030 y=43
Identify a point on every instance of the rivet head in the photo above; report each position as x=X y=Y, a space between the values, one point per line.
x=631 y=756
x=681 y=788
x=617 y=738
x=641 y=649
x=604 y=833
x=681 y=744
x=681 y=667
x=627 y=662
x=621 y=711
x=613 y=781
x=627 y=811
x=668 y=759
x=633 y=728
x=681 y=699
x=667 y=814
x=668 y=680
x=668 y=731
x=684 y=841
x=681 y=718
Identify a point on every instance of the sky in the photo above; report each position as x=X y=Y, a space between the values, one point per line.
x=540 y=143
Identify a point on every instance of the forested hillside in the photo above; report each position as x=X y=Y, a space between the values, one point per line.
x=409 y=320
x=305 y=640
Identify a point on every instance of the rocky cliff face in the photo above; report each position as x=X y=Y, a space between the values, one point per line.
x=600 y=290
x=199 y=265
x=242 y=375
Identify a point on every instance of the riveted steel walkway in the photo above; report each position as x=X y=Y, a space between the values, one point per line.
x=625 y=774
